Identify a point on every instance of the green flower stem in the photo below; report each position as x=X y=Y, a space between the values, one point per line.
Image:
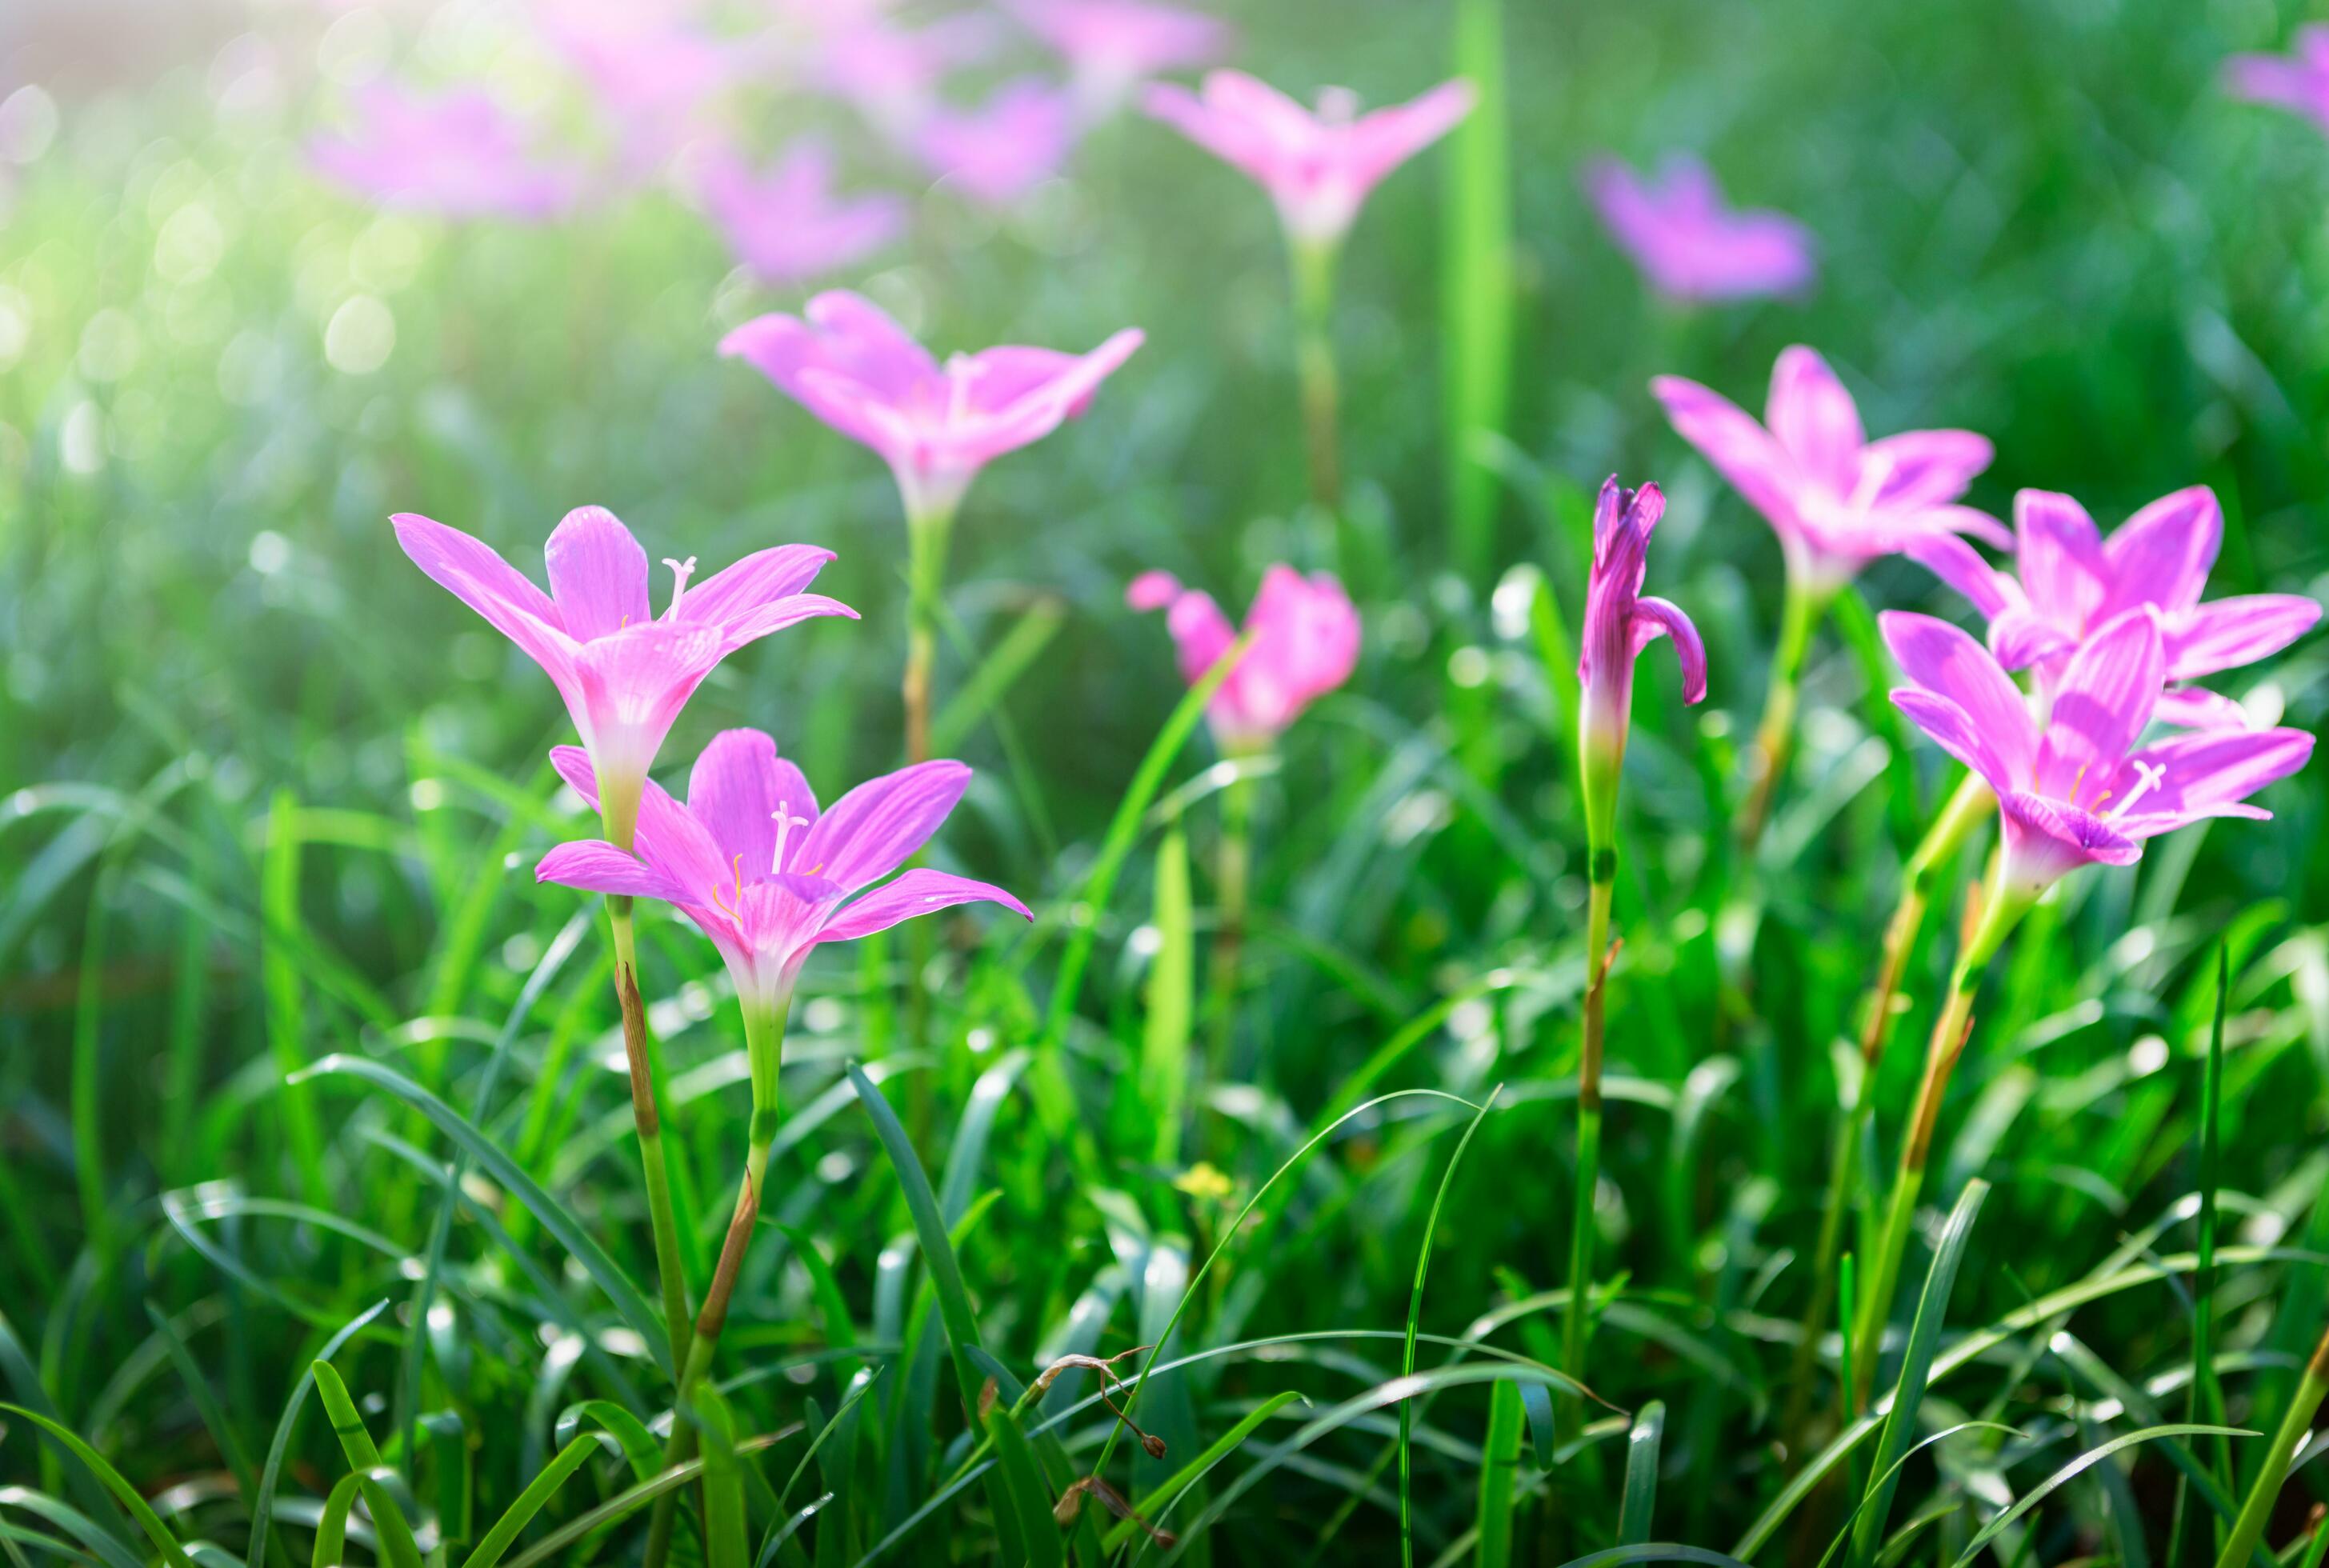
x=2001 y=910
x=1577 y=1326
x=2248 y=1530
x=648 y=1121
x=1313 y=347
x=1775 y=737
x=1965 y=811
x=1229 y=935
x=927 y=532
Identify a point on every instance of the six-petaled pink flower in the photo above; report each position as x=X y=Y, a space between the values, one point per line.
x=847 y=362
x=2297 y=80
x=1005 y=146
x=1113 y=46
x=787 y=224
x=2075 y=789
x=2069 y=580
x=624 y=674
x=1304 y=643
x=1318 y=168
x=1689 y=243
x=769 y=878
x=456 y=154
x=1836 y=499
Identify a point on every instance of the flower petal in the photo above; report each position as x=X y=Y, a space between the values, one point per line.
x=597 y=866
x=1814 y=418
x=632 y=683
x=598 y=575
x=2226 y=633
x=1949 y=728
x=2047 y=838
x=572 y=763
x=1928 y=467
x=1653 y=617
x=1958 y=564
x=918 y=892
x=737 y=784
x=1741 y=450
x=1152 y=590
x=2021 y=637
x=2101 y=704
x=760 y=578
x=876 y=827
x=2204 y=773
x=776 y=615
x=2161 y=554
x=473 y=574
x=2059 y=557
x=1948 y=662
x=2198 y=708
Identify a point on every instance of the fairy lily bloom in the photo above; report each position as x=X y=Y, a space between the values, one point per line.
x=767 y=875
x=1619 y=623
x=652 y=76
x=1689 y=243
x=1112 y=46
x=1306 y=643
x=892 y=74
x=624 y=674
x=1318 y=168
x=2069 y=581
x=456 y=154
x=999 y=151
x=2299 y=81
x=2075 y=787
x=786 y=224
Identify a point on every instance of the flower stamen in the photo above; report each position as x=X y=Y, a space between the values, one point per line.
x=736 y=914
x=680 y=571
x=2149 y=775
x=785 y=822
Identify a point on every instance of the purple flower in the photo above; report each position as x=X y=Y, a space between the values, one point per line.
x=847 y=362
x=2071 y=580
x=1689 y=243
x=1619 y=623
x=751 y=860
x=786 y=224
x=2074 y=788
x=1836 y=499
x=624 y=674
x=1113 y=46
x=1317 y=167
x=456 y=154
x=1006 y=146
x=2299 y=81
x=1306 y=643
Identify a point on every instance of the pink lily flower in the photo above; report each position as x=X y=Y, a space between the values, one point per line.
x=1620 y=621
x=1689 y=243
x=456 y=154
x=624 y=674
x=2297 y=80
x=1836 y=499
x=1306 y=643
x=892 y=74
x=787 y=224
x=847 y=362
x=653 y=75
x=1112 y=46
x=762 y=871
x=1320 y=167
x=2074 y=788
x=2071 y=580
x=1006 y=146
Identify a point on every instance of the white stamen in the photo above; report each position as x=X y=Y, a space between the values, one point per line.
x=2148 y=777
x=1876 y=470
x=680 y=572
x=785 y=822
x=961 y=371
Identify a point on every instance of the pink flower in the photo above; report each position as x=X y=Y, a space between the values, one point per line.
x=456 y=154
x=2299 y=81
x=1836 y=499
x=2071 y=580
x=847 y=362
x=2055 y=778
x=1317 y=167
x=766 y=876
x=1003 y=148
x=653 y=75
x=1306 y=643
x=624 y=675
x=786 y=224
x=892 y=74
x=1689 y=244
x=1112 y=46
x=1620 y=622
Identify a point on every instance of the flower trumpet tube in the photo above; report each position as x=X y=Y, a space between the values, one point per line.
x=1619 y=623
x=847 y=362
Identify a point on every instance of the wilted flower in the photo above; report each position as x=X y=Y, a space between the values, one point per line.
x=456 y=154
x=1836 y=499
x=2299 y=81
x=2073 y=788
x=2071 y=580
x=1112 y=46
x=624 y=674
x=787 y=224
x=847 y=362
x=1619 y=623
x=999 y=151
x=1306 y=643
x=769 y=878
x=1689 y=243
x=1317 y=167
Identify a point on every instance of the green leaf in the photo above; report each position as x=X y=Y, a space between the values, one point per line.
x=1641 y=1493
x=130 y=1499
x=396 y=1542
x=1023 y=1483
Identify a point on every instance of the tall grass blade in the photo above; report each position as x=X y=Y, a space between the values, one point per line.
x=128 y=1495
x=1476 y=289
x=1640 y=1497
x=1414 y=1317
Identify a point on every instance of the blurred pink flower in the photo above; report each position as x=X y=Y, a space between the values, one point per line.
x=1689 y=244
x=1306 y=643
x=787 y=224
x=2053 y=778
x=456 y=154
x=653 y=74
x=847 y=362
x=765 y=874
x=1836 y=499
x=2070 y=581
x=892 y=74
x=1317 y=167
x=1113 y=46
x=1619 y=623
x=624 y=674
x=2297 y=80
x=1006 y=146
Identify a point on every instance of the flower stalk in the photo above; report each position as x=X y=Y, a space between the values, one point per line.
x=927 y=530
x=1805 y=607
x=1231 y=877
x=648 y=1119
x=2256 y=1513
x=1313 y=262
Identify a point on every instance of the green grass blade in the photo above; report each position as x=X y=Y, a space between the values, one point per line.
x=396 y=1542
x=1639 y=1499
x=1039 y=1532
x=263 y=1510
x=996 y=673
x=1475 y=294
x=2093 y=1457
x=140 y=1509
x=1189 y=1475
x=331 y=1527
x=723 y=1482
x=287 y=1010
x=531 y=1501
x=1414 y=1317
x=1500 y=1459
x=1170 y=996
